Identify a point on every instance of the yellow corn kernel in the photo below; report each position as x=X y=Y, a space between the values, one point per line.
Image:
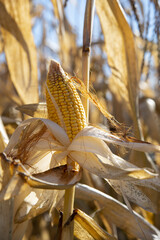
x=63 y=102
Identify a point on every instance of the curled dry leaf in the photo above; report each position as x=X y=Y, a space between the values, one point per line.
x=55 y=178
x=119 y=214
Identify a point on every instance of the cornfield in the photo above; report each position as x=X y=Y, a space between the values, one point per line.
x=79 y=119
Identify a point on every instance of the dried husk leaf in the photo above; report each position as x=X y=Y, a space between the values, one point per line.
x=37 y=124
x=19 y=48
x=103 y=162
x=90 y=227
x=123 y=176
x=109 y=138
x=118 y=213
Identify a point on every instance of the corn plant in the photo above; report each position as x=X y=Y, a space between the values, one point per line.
x=56 y=161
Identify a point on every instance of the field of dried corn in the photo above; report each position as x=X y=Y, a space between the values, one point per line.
x=79 y=119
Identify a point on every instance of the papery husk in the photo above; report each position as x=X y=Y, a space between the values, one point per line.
x=127 y=179
x=131 y=143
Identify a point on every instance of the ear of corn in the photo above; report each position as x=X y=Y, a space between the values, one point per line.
x=63 y=102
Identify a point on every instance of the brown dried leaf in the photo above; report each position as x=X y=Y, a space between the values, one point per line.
x=90 y=227
x=56 y=178
x=19 y=48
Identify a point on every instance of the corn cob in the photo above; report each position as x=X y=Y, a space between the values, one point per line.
x=63 y=102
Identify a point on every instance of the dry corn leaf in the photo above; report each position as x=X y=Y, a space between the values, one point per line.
x=118 y=213
x=120 y=49
x=34 y=110
x=19 y=48
x=90 y=227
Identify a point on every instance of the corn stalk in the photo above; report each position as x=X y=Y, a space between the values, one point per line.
x=87 y=34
